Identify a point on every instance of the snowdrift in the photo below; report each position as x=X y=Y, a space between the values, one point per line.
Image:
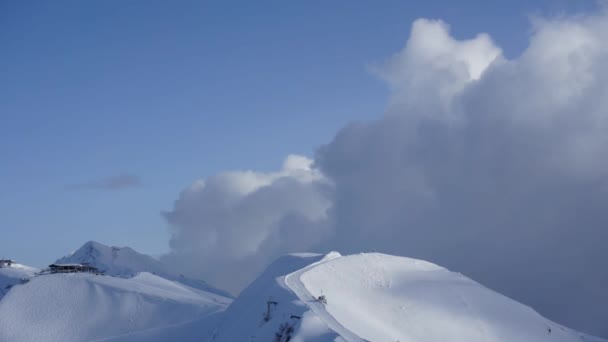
x=86 y=307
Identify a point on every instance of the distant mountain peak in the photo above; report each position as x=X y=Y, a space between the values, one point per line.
x=125 y=262
x=115 y=261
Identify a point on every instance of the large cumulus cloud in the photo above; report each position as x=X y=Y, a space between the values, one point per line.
x=493 y=167
x=226 y=228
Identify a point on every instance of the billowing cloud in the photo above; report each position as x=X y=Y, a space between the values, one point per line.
x=118 y=182
x=433 y=68
x=229 y=226
x=489 y=166
x=493 y=167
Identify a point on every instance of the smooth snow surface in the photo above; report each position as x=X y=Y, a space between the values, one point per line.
x=370 y=297
x=244 y=319
x=86 y=307
x=126 y=262
x=16 y=274
x=193 y=331
x=379 y=298
x=293 y=281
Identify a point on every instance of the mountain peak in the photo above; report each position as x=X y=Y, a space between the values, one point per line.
x=91 y=246
x=94 y=244
x=125 y=262
x=378 y=297
x=115 y=261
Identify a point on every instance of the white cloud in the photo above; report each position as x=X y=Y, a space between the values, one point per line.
x=493 y=167
x=489 y=166
x=227 y=227
x=434 y=67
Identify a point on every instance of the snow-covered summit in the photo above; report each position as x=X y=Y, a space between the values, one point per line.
x=136 y=295
x=125 y=262
x=254 y=316
x=378 y=297
x=115 y=261
x=300 y=297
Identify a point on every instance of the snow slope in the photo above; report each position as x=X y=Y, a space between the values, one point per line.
x=16 y=274
x=126 y=262
x=244 y=319
x=87 y=307
x=377 y=297
x=294 y=283
x=193 y=331
x=370 y=297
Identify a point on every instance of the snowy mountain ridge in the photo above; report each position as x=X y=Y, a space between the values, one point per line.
x=135 y=294
x=114 y=261
x=125 y=262
x=301 y=297
x=87 y=307
x=380 y=298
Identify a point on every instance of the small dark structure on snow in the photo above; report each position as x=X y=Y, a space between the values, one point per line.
x=72 y=268
x=269 y=304
x=6 y=263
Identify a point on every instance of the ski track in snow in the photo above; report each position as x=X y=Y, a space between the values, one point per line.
x=295 y=284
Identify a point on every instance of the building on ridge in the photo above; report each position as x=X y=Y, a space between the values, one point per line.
x=72 y=268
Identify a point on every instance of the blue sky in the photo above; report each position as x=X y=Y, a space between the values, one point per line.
x=174 y=91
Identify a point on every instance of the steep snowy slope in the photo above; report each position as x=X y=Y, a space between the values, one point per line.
x=14 y=275
x=369 y=297
x=126 y=262
x=267 y=307
x=86 y=307
x=115 y=261
x=377 y=297
x=380 y=297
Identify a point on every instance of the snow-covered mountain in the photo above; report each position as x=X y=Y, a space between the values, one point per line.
x=87 y=307
x=14 y=275
x=367 y=297
x=125 y=262
x=135 y=295
x=380 y=298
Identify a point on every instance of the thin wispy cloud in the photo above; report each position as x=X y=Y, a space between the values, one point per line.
x=118 y=182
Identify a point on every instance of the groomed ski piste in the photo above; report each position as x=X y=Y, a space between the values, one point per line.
x=294 y=282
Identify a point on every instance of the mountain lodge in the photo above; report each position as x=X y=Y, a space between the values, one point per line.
x=6 y=263
x=72 y=268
